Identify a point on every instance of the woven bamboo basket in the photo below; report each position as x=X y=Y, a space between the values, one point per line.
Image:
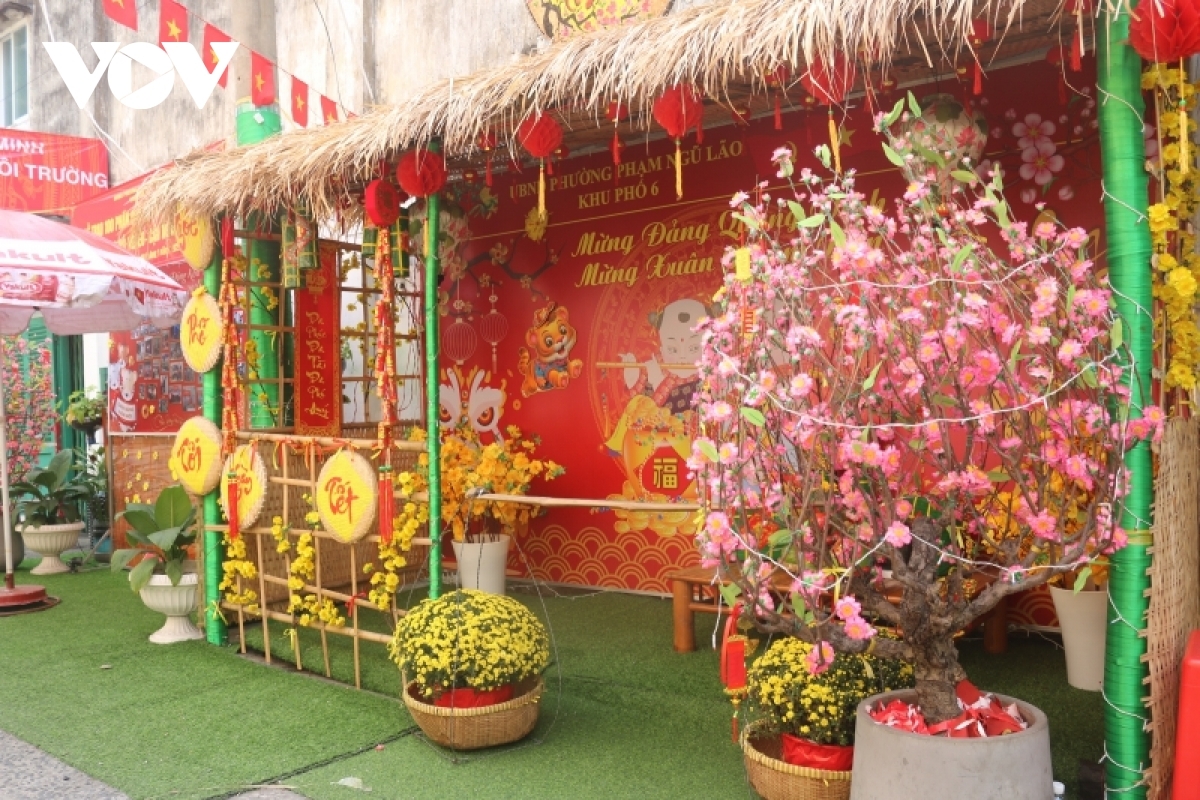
x=775 y=779
x=474 y=728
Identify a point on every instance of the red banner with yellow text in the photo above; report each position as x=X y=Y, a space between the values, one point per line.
x=318 y=380
x=46 y=172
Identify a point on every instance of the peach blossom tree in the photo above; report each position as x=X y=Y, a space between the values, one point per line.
x=926 y=399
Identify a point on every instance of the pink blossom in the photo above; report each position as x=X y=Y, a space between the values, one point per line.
x=1069 y=351
x=858 y=628
x=847 y=608
x=819 y=658
x=1033 y=130
x=898 y=534
x=1041 y=162
x=1044 y=525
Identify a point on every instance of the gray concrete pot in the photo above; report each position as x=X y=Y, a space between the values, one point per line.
x=891 y=764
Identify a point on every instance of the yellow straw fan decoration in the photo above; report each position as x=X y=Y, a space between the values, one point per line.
x=200 y=331
x=248 y=470
x=347 y=494
x=195 y=459
x=197 y=240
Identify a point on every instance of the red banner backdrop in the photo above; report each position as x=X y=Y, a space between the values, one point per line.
x=46 y=172
x=318 y=386
x=587 y=334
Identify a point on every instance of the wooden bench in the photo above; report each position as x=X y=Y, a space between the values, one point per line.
x=694 y=589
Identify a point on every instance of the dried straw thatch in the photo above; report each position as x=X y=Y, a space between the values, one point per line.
x=725 y=47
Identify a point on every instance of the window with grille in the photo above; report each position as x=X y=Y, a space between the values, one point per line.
x=14 y=76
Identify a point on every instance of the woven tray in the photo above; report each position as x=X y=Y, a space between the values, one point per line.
x=473 y=728
x=775 y=779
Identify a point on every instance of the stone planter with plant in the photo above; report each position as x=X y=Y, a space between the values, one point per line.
x=48 y=503
x=164 y=577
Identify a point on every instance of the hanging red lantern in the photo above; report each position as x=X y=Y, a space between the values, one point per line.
x=541 y=135
x=382 y=204
x=981 y=32
x=459 y=341
x=493 y=327
x=487 y=143
x=421 y=172
x=1166 y=30
x=777 y=80
x=679 y=109
x=830 y=82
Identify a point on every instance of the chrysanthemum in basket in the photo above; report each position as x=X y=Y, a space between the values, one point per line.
x=809 y=697
x=469 y=648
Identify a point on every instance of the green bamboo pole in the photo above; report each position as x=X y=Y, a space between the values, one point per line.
x=1127 y=743
x=432 y=402
x=254 y=124
x=214 y=552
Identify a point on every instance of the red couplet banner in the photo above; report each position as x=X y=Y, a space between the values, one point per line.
x=318 y=377
x=47 y=172
x=586 y=335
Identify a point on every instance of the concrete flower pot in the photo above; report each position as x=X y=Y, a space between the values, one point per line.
x=51 y=541
x=178 y=603
x=891 y=764
x=482 y=565
x=1082 y=616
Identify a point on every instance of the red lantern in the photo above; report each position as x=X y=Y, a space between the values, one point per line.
x=382 y=204
x=830 y=82
x=679 y=109
x=421 y=172
x=1166 y=30
x=777 y=79
x=980 y=33
x=487 y=143
x=493 y=327
x=541 y=135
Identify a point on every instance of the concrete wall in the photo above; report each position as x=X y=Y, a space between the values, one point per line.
x=360 y=52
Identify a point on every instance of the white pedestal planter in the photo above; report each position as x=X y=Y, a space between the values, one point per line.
x=891 y=764
x=482 y=565
x=51 y=541
x=178 y=603
x=1083 y=619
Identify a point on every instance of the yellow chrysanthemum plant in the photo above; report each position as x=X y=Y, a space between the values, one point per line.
x=506 y=466
x=809 y=698
x=469 y=648
x=1177 y=265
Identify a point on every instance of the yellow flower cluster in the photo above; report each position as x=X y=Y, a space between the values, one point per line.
x=305 y=608
x=238 y=565
x=470 y=639
x=783 y=691
x=506 y=467
x=385 y=581
x=1171 y=232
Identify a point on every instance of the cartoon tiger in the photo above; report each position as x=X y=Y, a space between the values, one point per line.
x=546 y=363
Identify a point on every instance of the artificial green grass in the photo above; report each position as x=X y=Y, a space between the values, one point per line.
x=623 y=716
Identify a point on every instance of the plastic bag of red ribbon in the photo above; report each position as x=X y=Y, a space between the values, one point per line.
x=806 y=753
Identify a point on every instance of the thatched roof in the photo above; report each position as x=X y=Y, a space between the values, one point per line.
x=724 y=47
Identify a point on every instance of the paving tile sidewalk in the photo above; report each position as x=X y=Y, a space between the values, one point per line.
x=32 y=774
x=27 y=773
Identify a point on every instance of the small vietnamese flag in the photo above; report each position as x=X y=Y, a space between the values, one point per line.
x=328 y=111
x=262 y=90
x=299 y=102
x=122 y=12
x=172 y=22
x=211 y=59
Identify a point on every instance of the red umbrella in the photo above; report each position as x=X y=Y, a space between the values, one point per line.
x=80 y=283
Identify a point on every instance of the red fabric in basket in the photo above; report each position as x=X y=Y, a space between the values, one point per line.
x=469 y=698
x=804 y=753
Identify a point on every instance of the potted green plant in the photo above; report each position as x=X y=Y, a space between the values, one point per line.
x=85 y=409
x=164 y=577
x=800 y=742
x=472 y=664
x=48 y=503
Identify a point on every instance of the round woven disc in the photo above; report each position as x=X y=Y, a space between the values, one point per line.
x=347 y=495
x=196 y=456
x=200 y=332
x=251 y=472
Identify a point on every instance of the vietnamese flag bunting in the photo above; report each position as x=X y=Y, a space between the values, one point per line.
x=122 y=12
x=328 y=111
x=262 y=90
x=172 y=22
x=211 y=59
x=299 y=102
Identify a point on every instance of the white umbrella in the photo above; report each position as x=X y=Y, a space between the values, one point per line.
x=80 y=283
